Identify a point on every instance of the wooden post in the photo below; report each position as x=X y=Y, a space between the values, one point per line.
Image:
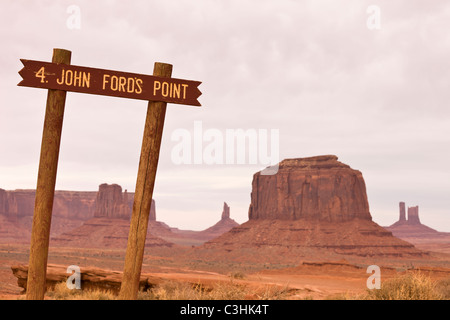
x=145 y=182
x=45 y=190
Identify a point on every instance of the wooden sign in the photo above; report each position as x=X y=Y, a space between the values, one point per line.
x=59 y=77
x=66 y=77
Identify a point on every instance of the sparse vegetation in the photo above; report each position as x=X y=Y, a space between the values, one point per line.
x=443 y=288
x=411 y=286
x=270 y=292
x=171 y=290
x=178 y=290
x=61 y=292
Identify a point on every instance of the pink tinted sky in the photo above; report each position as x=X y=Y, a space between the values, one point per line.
x=378 y=99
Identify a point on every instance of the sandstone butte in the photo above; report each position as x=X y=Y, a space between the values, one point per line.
x=110 y=225
x=80 y=218
x=109 y=201
x=318 y=188
x=410 y=228
x=70 y=210
x=312 y=207
x=95 y=219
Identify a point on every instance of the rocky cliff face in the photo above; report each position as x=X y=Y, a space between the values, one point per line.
x=225 y=211
x=16 y=204
x=318 y=188
x=3 y=202
x=74 y=205
x=225 y=224
x=111 y=202
x=152 y=216
x=19 y=203
x=70 y=210
x=402 y=216
x=422 y=236
x=413 y=215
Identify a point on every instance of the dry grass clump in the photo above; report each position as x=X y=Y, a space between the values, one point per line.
x=172 y=290
x=443 y=288
x=175 y=290
x=271 y=292
x=411 y=286
x=178 y=290
x=61 y=292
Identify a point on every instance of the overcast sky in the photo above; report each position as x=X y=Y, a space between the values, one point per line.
x=314 y=70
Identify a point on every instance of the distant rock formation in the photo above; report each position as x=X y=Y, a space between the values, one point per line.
x=108 y=201
x=189 y=237
x=313 y=207
x=152 y=216
x=3 y=202
x=70 y=210
x=73 y=204
x=402 y=212
x=16 y=204
x=95 y=219
x=225 y=224
x=318 y=188
x=111 y=203
x=422 y=236
x=413 y=215
x=110 y=224
x=103 y=233
x=226 y=211
x=13 y=232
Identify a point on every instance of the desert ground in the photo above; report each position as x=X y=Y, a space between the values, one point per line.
x=315 y=280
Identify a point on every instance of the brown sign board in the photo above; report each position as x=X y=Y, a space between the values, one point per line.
x=38 y=74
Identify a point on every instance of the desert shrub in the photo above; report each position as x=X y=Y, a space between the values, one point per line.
x=173 y=290
x=176 y=290
x=179 y=290
x=227 y=291
x=270 y=292
x=443 y=288
x=61 y=292
x=411 y=286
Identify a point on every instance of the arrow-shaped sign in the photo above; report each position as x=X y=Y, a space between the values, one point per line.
x=65 y=77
